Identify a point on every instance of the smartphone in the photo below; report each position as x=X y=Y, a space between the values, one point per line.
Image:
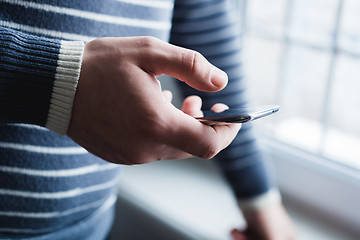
x=237 y=115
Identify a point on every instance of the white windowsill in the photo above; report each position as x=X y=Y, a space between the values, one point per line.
x=188 y=196
x=329 y=189
x=189 y=199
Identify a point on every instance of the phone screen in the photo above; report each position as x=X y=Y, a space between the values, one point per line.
x=237 y=115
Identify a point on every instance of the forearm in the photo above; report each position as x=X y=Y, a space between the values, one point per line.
x=244 y=166
x=38 y=79
x=217 y=37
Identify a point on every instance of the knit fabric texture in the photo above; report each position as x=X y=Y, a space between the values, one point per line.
x=50 y=187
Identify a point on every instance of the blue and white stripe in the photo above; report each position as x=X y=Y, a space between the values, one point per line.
x=220 y=43
x=47 y=182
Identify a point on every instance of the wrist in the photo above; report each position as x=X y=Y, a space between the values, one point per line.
x=262 y=201
x=65 y=83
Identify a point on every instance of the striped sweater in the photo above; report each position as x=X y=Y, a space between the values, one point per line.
x=50 y=187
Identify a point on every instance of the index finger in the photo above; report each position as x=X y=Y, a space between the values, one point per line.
x=184 y=64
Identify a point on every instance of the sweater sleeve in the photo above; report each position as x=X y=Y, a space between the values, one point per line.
x=211 y=28
x=38 y=78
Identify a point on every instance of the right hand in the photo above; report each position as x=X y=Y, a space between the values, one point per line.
x=120 y=113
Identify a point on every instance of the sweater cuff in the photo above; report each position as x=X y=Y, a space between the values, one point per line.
x=66 y=80
x=261 y=201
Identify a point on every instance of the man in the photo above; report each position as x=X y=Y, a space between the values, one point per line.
x=104 y=95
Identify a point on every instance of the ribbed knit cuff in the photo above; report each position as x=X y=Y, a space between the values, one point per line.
x=264 y=200
x=66 y=80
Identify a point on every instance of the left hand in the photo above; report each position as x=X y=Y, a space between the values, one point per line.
x=270 y=223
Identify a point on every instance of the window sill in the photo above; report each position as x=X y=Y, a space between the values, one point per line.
x=330 y=189
x=189 y=199
x=177 y=199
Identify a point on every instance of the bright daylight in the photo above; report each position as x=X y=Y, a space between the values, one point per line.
x=180 y=119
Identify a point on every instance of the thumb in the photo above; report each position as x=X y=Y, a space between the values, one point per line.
x=186 y=65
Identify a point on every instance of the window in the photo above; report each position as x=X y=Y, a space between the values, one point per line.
x=305 y=56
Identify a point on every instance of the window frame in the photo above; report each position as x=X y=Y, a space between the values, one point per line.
x=327 y=187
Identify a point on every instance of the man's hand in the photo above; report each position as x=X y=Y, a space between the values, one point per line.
x=120 y=113
x=270 y=223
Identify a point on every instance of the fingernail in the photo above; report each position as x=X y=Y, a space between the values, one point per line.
x=219 y=78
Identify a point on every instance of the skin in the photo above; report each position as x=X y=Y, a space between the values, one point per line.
x=120 y=113
x=270 y=223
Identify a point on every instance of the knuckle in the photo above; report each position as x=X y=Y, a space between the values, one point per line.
x=149 y=42
x=190 y=60
x=194 y=63
x=150 y=51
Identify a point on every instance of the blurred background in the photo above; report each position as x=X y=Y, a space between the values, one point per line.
x=305 y=56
